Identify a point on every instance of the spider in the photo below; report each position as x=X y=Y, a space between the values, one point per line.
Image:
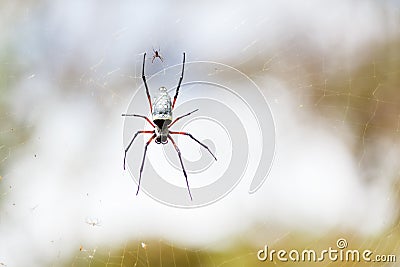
x=157 y=54
x=161 y=110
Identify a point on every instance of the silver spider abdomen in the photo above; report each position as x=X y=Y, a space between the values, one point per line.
x=162 y=108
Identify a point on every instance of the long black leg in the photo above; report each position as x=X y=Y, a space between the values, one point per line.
x=183 y=167
x=180 y=81
x=144 y=156
x=140 y=116
x=191 y=136
x=145 y=84
x=177 y=119
x=129 y=146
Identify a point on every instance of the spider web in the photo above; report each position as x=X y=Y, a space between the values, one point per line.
x=53 y=111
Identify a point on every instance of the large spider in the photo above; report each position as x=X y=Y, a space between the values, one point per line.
x=162 y=121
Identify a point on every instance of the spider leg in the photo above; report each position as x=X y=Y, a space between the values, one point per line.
x=129 y=146
x=191 y=136
x=140 y=116
x=145 y=83
x=180 y=117
x=144 y=157
x=180 y=81
x=183 y=167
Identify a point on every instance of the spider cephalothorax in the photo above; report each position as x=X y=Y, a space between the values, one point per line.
x=161 y=111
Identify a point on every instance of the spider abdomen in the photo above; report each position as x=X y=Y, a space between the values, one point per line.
x=162 y=109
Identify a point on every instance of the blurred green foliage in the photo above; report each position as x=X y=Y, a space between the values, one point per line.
x=13 y=131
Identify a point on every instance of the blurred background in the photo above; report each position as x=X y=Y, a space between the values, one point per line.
x=329 y=70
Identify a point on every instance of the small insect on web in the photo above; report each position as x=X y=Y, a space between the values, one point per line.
x=157 y=55
x=161 y=110
x=94 y=222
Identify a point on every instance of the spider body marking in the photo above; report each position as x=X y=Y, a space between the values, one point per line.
x=161 y=110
